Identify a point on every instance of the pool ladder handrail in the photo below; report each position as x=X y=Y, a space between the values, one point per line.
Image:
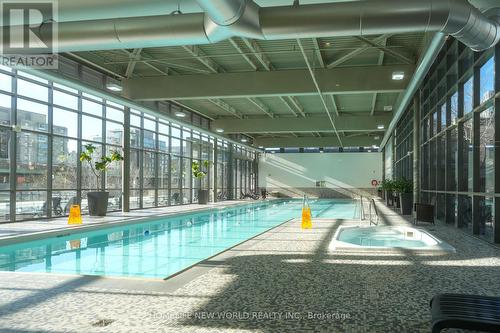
x=362 y=216
x=372 y=203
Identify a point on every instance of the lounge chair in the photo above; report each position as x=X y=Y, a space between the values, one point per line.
x=470 y=312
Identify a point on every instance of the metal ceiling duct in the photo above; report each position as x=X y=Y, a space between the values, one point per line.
x=244 y=18
x=374 y=17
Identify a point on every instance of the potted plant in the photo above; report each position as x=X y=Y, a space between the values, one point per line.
x=387 y=188
x=404 y=188
x=200 y=171
x=98 y=199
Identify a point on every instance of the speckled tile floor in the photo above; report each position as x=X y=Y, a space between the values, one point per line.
x=284 y=280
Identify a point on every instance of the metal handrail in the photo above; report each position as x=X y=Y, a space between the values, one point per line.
x=362 y=216
x=372 y=203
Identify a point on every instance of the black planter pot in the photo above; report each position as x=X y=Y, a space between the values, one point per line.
x=98 y=203
x=406 y=200
x=390 y=200
x=203 y=197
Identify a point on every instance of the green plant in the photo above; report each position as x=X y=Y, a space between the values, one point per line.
x=101 y=165
x=200 y=170
x=387 y=185
x=403 y=185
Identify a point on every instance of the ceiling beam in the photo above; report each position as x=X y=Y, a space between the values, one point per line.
x=301 y=125
x=382 y=48
x=261 y=106
x=288 y=105
x=302 y=142
x=273 y=83
x=135 y=55
x=258 y=53
x=226 y=107
x=356 y=52
x=243 y=54
x=334 y=105
x=200 y=56
x=317 y=51
x=380 y=63
x=295 y=102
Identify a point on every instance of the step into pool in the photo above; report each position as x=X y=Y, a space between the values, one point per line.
x=164 y=246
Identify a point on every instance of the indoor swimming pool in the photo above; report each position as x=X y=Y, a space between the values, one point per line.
x=163 y=246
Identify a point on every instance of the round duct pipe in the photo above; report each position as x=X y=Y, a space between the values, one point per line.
x=243 y=18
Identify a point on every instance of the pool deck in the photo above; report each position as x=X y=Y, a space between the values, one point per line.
x=284 y=280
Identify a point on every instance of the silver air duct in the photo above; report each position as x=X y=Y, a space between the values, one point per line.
x=243 y=18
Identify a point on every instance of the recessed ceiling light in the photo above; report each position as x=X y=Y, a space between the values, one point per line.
x=261 y=147
x=219 y=130
x=328 y=44
x=180 y=114
x=113 y=86
x=376 y=137
x=398 y=76
x=388 y=108
x=380 y=127
x=244 y=140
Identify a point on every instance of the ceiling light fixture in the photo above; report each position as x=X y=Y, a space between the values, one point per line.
x=219 y=130
x=380 y=127
x=180 y=114
x=113 y=86
x=388 y=108
x=376 y=137
x=398 y=76
x=261 y=147
x=244 y=140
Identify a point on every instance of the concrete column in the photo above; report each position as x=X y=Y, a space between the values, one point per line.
x=416 y=147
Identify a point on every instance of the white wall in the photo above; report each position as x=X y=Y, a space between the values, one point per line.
x=302 y=170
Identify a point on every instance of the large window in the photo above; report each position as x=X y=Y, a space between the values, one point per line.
x=43 y=176
x=458 y=147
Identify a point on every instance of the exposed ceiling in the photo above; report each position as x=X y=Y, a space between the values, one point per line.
x=365 y=93
x=263 y=88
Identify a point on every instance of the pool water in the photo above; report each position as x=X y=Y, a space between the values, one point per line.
x=160 y=248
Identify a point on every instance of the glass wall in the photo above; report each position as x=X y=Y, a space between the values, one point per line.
x=44 y=127
x=458 y=104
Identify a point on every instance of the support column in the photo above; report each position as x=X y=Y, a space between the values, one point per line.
x=13 y=154
x=126 y=161
x=476 y=163
x=416 y=147
x=496 y=225
x=230 y=174
x=215 y=167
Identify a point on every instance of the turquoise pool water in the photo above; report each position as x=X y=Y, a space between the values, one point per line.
x=162 y=247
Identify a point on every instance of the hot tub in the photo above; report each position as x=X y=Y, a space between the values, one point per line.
x=387 y=237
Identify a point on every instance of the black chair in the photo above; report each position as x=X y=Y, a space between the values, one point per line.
x=57 y=210
x=470 y=312
x=425 y=212
x=176 y=198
